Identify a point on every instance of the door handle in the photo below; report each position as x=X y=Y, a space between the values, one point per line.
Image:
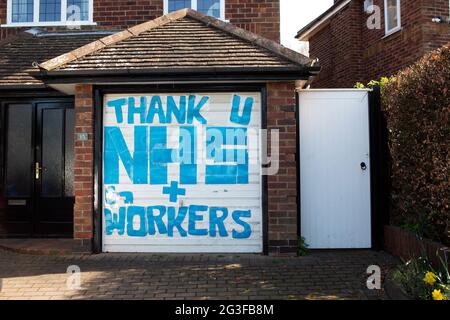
x=37 y=170
x=363 y=166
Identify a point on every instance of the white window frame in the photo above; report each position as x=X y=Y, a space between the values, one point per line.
x=37 y=23
x=194 y=7
x=386 y=18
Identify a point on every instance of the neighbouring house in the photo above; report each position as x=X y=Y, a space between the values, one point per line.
x=101 y=125
x=362 y=40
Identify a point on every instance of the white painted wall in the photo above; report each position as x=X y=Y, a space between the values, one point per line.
x=335 y=191
x=233 y=197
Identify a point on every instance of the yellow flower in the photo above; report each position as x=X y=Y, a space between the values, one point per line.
x=437 y=295
x=430 y=278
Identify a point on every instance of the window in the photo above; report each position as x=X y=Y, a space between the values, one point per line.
x=49 y=12
x=22 y=11
x=392 y=16
x=78 y=8
x=214 y=8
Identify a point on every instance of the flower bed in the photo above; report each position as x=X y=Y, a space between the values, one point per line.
x=417 y=279
x=425 y=275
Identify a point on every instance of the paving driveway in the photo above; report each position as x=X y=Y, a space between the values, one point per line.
x=322 y=275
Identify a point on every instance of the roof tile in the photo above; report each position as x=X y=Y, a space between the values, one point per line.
x=18 y=54
x=181 y=39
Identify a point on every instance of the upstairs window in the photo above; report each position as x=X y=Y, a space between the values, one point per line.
x=49 y=12
x=214 y=8
x=392 y=16
x=22 y=11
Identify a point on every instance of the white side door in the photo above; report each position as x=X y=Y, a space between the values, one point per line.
x=335 y=168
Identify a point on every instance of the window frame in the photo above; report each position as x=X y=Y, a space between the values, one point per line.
x=37 y=23
x=194 y=7
x=386 y=18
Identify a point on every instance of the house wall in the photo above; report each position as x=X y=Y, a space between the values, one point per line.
x=339 y=49
x=84 y=168
x=367 y=53
x=259 y=16
x=384 y=56
x=282 y=187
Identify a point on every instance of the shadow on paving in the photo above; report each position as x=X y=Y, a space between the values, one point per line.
x=322 y=275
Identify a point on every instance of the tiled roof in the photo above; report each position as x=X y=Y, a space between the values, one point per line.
x=184 y=39
x=18 y=54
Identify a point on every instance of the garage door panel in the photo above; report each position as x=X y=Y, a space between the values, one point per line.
x=154 y=201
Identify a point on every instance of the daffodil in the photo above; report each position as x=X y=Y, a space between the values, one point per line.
x=430 y=278
x=437 y=295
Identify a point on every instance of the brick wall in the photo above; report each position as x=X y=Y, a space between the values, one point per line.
x=339 y=49
x=121 y=14
x=387 y=55
x=282 y=188
x=435 y=35
x=368 y=54
x=259 y=16
x=83 y=167
x=5 y=32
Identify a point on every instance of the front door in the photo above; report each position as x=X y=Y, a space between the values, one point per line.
x=38 y=180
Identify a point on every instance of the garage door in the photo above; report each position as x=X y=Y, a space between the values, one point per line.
x=181 y=173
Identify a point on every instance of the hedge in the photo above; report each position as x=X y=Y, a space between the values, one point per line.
x=417 y=108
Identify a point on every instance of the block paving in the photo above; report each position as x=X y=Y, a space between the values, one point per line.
x=321 y=275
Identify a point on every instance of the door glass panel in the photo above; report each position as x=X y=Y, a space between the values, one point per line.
x=19 y=155
x=52 y=152
x=70 y=125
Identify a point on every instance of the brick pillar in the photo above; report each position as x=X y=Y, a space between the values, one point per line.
x=84 y=168
x=282 y=187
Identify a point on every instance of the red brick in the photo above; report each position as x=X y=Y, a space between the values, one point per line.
x=259 y=16
x=282 y=196
x=84 y=164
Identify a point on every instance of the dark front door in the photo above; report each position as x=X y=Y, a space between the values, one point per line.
x=38 y=180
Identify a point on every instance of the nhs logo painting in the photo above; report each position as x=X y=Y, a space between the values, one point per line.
x=181 y=173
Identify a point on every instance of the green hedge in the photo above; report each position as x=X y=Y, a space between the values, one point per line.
x=417 y=107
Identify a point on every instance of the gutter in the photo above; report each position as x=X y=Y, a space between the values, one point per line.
x=164 y=74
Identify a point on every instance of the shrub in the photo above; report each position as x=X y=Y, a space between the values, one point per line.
x=416 y=103
x=419 y=280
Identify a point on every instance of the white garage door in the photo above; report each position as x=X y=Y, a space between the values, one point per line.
x=181 y=173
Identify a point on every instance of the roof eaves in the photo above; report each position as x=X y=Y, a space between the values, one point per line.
x=164 y=74
x=321 y=21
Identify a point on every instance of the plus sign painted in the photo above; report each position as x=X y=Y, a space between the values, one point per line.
x=173 y=191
